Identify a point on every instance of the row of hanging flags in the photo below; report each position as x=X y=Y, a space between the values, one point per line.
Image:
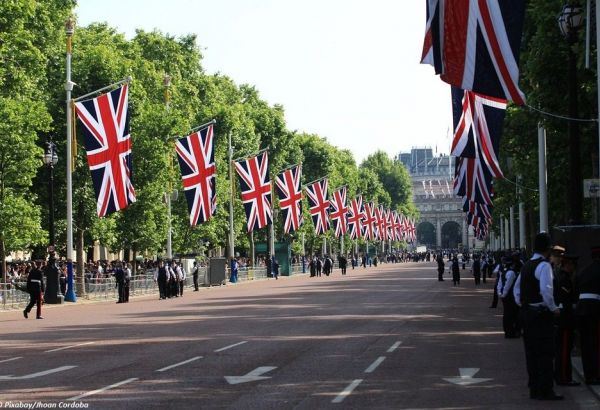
x=474 y=46
x=105 y=126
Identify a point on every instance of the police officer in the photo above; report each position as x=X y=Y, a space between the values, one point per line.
x=535 y=293
x=161 y=278
x=565 y=323
x=35 y=287
x=508 y=277
x=119 y=275
x=195 y=276
x=587 y=284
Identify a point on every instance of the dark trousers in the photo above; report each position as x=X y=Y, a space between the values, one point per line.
x=162 y=288
x=343 y=270
x=126 y=291
x=477 y=279
x=484 y=273
x=121 y=289
x=563 y=341
x=35 y=298
x=441 y=274
x=181 y=284
x=495 y=297
x=590 y=347
x=510 y=318
x=538 y=338
x=195 y=281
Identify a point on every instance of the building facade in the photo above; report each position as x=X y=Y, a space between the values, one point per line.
x=442 y=224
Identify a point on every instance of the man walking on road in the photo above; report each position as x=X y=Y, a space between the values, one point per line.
x=535 y=293
x=35 y=287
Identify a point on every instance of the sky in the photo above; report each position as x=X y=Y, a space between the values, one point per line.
x=347 y=70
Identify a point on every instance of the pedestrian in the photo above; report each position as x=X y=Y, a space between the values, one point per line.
x=587 y=285
x=565 y=323
x=498 y=269
x=455 y=271
x=181 y=277
x=128 y=277
x=534 y=291
x=364 y=262
x=441 y=267
x=312 y=266
x=327 y=266
x=35 y=288
x=119 y=275
x=476 y=269
x=275 y=268
x=319 y=266
x=161 y=277
x=234 y=267
x=343 y=262
x=510 y=317
x=195 y=276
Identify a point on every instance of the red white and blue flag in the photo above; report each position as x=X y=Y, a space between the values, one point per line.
x=380 y=222
x=339 y=212
x=389 y=233
x=473 y=181
x=355 y=217
x=318 y=205
x=289 y=191
x=396 y=226
x=474 y=45
x=478 y=127
x=369 y=221
x=255 y=186
x=105 y=129
x=196 y=155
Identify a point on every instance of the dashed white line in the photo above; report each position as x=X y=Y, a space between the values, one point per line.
x=347 y=391
x=112 y=386
x=11 y=359
x=230 y=346
x=375 y=364
x=394 y=347
x=69 y=347
x=164 y=369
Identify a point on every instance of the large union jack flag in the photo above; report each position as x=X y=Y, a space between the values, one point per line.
x=318 y=205
x=396 y=226
x=355 y=216
x=380 y=222
x=369 y=221
x=482 y=210
x=105 y=129
x=289 y=192
x=411 y=231
x=255 y=185
x=474 y=44
x=478 y=127
x=339 y=212
x=196 y=155
x=473 y=181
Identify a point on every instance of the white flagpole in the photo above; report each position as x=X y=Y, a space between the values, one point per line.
x=598 y=86
x=231 y=242
x=70 y=296
x=543 y=178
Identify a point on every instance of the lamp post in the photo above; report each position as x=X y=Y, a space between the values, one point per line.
x=52 y=293
x=167 y=85
x=570 y=21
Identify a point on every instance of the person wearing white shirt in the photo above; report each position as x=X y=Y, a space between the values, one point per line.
x=535 y=292
x=180 y=278
x=510 y=320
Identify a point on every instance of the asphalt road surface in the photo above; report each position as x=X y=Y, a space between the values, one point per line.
x=390 y=337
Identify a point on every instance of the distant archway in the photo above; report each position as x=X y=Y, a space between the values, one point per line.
x=426 y=234
x=451 y=235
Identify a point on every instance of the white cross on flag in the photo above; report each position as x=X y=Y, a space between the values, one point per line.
x=255 y=185
x=318 y=205
x=339 y=212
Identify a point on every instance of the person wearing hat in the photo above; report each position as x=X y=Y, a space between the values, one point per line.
x=35 y=287
x=534 y=292
x=508 y=277
x=565 y=328
x=587 y=285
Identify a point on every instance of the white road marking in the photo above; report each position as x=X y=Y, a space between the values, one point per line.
x=394 y=347
x=466 y=377
x=252 y=376
x=375 y=364
x=38 y=374
x=11 y=359
x=347 y=391
x=69 y=347
x=230 y=346
x=164 y=369
x=112 y=386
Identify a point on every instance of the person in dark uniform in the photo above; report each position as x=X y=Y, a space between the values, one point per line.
x=161 y=279
x=476 y=268
x=587 y=288
x=565 y=323
x=343 y=263
x=491 y=267
x=455 y=271
x=534 y=291
x=510 y=318
x=195 y=276
x=441 y=267
x=35 y=287
x=119 y=275
x=312 y=267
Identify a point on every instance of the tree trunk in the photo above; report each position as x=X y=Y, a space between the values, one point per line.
x=252 y=249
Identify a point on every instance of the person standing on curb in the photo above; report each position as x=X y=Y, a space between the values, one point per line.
x=35 y=287
x=195 y=276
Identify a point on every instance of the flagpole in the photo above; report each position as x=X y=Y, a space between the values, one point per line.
x=70 y=296
x=200 y=127
x=108 y=87
x=543 y=178
x=230 y=154
x=598 y=91
x=167 y=84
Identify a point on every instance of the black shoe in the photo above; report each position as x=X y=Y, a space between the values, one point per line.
x=551 y=396
x=571 y=383
x=25 y=314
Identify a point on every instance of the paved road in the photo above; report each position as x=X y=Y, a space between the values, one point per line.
x=381 y=338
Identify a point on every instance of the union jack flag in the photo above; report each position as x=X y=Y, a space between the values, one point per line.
x=369 y=221
x=289 y=191
x=409 y=229
x=478 y=127
x=380 y=222
x=473 y=181
x=105 y=129
x=339 y=212
x=255 y=185
x=481 y=210
x=475 y=45
x=318 y=205
x=389 y=233
x=396 y=226
x=355 y=216
x=196 y=155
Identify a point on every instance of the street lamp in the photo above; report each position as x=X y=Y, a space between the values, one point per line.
x=167 y=85
x=52 y=293
x=570 y=21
